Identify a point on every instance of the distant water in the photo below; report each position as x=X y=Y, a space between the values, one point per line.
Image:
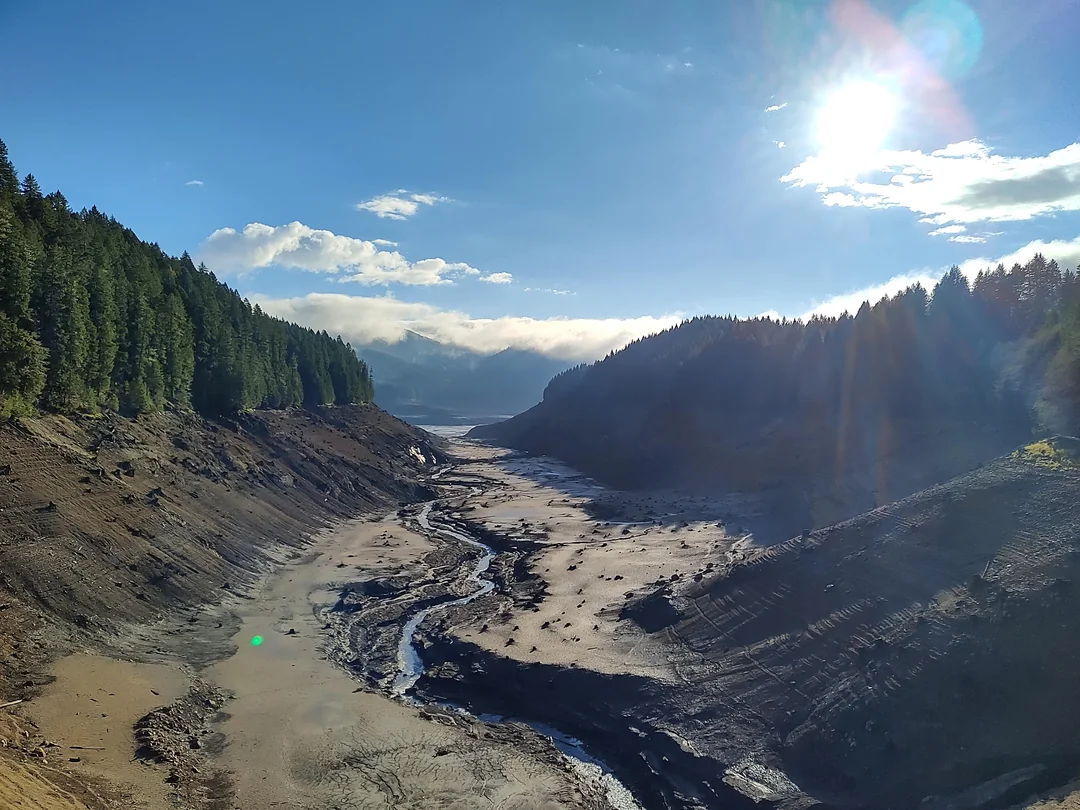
x=447 y=431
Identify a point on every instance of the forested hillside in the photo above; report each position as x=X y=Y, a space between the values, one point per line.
x=92 y=318
x=833 y=415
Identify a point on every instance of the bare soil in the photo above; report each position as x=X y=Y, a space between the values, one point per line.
x=921 y=654
x=135 y=539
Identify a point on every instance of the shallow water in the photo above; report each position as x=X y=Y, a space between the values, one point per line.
x=411 y=667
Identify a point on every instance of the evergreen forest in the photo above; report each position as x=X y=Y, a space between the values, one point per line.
x=92 y=318
x=841 y=413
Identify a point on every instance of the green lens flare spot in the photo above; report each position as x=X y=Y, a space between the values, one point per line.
x=256 y=641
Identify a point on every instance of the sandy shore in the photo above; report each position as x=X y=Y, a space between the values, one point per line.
x=302 y=734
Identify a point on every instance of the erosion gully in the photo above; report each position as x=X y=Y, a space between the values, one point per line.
x=411 y=665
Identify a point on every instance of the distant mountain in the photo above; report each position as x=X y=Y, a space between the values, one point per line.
x=426 y=381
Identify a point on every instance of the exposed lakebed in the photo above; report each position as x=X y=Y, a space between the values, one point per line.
x=411 y=667
x=515 y=616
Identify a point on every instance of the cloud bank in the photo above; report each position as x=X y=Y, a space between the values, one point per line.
x=960 y=184
x=1065 y=251
x=400 y=204
x=297 y=247
x=837 y=305
x=361 y=319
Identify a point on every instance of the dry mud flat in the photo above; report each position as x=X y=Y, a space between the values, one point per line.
x=297 y=730
x=920 y=655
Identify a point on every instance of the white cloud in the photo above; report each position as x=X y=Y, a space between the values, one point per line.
x=948 y=229
x=194 y=183
x=776 y=107
x=362 y=319
x=839 y=199
x=298 y=247
x=837 y=305
x=1065 y=251
x=962 y=183
x=959 y=234
x=551 y=290
x=498 y=278
x=400 y=204
x=383 y=243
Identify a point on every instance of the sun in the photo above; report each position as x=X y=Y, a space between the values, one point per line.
x=856 y=118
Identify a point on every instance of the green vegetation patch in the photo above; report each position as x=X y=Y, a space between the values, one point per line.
x=1049 y=454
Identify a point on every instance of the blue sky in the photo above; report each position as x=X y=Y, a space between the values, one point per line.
x=585 y=171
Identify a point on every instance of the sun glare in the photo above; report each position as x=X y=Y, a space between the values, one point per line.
x=856 y=119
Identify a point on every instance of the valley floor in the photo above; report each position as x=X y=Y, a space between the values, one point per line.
x=627 y=650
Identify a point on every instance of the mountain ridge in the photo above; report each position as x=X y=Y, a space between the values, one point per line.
x=427 y=381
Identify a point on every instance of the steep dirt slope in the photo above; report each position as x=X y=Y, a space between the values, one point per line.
x=108 y=521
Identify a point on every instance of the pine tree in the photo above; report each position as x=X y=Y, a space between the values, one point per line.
x=63 y=315
x=105 y=318
x=22 y=368
x=16 y=279
x=9 y=180
x=178 y=351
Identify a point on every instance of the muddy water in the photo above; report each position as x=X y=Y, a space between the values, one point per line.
x=411 y=668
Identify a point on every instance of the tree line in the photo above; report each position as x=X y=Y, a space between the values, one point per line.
x=918 y=381
x=1006 y=343
x=93 y=318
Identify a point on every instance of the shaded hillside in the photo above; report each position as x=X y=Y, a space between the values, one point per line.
x=832 y=416
x=918 y=650
x=424 y=380
x=109 y=521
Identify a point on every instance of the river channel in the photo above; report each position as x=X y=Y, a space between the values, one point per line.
x=411 y=667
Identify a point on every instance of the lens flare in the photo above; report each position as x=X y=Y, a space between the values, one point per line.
x=256 y=641
x=947 y=33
